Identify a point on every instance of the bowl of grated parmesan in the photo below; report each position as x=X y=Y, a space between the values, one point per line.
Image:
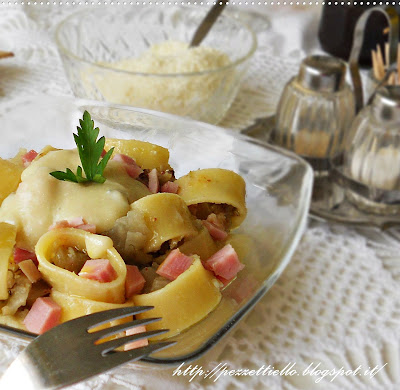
x=141 y=57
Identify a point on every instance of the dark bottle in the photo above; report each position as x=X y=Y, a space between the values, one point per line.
x=336 y=30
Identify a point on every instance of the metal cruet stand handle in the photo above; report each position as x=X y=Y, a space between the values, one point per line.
x=370 y=140
x=358 y=39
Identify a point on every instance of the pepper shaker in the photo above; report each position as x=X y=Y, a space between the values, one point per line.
x=315 y=110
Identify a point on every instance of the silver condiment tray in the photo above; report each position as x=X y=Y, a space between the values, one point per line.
x=329 y=200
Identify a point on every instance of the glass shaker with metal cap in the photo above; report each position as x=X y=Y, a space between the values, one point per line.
x=371 y=159
x=315 y=110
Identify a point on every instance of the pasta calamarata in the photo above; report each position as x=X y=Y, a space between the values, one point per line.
x=166 y=223
x=68 y=282
x=214 y=189
x=140 y=237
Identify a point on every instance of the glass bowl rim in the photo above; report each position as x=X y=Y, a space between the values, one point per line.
x=75 y=57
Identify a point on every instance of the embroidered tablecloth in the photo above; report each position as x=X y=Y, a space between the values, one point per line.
x=336 y=307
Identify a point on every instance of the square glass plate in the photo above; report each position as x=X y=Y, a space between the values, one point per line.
x=278 y=196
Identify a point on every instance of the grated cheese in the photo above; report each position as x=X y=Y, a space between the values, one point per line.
x=176 y=93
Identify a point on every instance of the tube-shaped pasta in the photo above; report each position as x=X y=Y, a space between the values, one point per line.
x=10 y=176
x=215 y=186
x=68 y=282
x=74 y=307
x=8 y=234
x=167 y=217
x=182 y=302
x=146 y=154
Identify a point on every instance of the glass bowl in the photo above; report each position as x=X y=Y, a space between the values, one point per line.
x=278 y=182
x=91 y=42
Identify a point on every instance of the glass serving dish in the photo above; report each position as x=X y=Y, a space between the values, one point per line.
x=278 y=184
x=90 y=42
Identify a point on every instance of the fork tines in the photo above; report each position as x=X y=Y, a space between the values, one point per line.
x=111 y=346
x=108 y=347
x=100 y=334
x=103 y=317
x=118 y=358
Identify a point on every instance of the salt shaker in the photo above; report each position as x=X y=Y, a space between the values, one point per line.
x=315 y=110
x=372 y=154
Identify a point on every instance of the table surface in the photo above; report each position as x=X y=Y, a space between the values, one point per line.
x=337 y=304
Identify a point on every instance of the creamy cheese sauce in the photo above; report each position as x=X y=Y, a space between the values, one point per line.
x=42 y=200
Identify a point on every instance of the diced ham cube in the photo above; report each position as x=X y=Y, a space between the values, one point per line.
x=244 y=288
x=170 y=186
x=124 y=159
x=44 y=315
x=137 y=343
x=28 y=157
x=216 y=233
x=217 y=220
x=224 y=281
x=174 y=264
x=77 y=223
x=74 y=222
x=134 y=282
x=99 y=269
x=22 y=254
x=30 y=270
x=59 y=225
x=89 y=227
x=154 y=184
x=225 y=263
x=132 y=169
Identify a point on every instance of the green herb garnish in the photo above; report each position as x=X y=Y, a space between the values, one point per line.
x=90 y=152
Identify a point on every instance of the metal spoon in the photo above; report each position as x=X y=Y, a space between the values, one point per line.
x=207 y=23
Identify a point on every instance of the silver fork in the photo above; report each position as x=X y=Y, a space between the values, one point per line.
x=68 y=353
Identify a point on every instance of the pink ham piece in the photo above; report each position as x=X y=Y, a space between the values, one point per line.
x=44 y=315
x=132 y=169
x=28 y=157
x=137 y=343
x=215 y=220
x=225 y=263
x=224 y=281
x=30 y=270
x=89 y=227
x=174 y=264
x=170 y=187
x=99 y=269
x=154 y=184
x=60 y=225
x=77 y=223
x=216 y=233
x=244 y=288
x=124 y=159
x=22 y=254
x=134 y=281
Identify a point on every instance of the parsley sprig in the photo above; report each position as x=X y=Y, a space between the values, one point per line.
x=90 y=152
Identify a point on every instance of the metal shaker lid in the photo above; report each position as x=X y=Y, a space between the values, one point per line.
x=386 y=104
x=322 y=73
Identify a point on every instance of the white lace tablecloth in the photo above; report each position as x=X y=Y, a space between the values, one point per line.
x=336 y=305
